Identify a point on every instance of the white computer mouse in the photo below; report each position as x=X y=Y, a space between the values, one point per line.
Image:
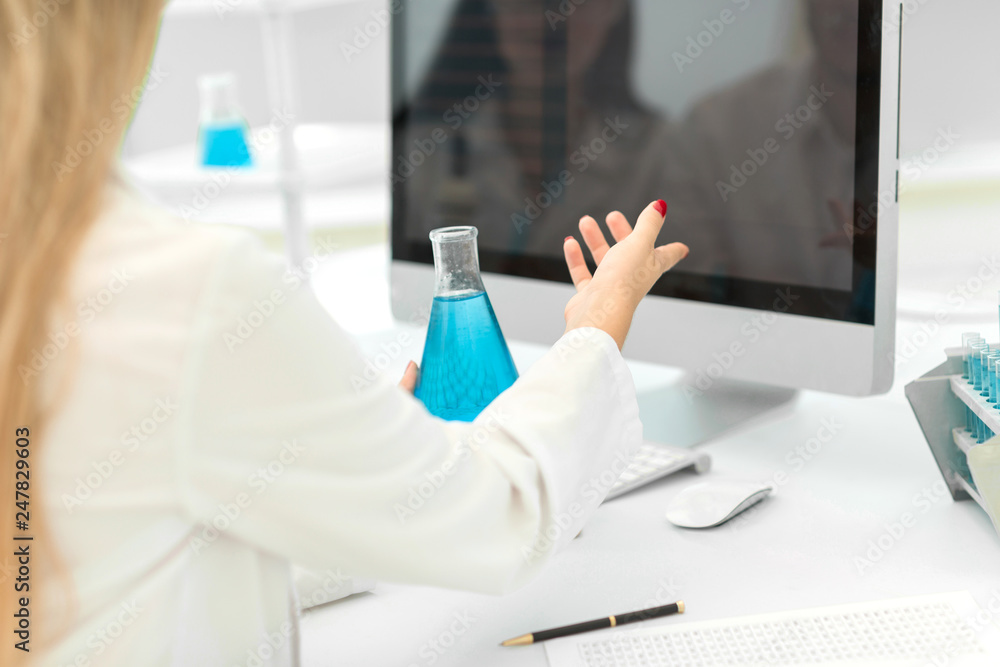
x=710 y=503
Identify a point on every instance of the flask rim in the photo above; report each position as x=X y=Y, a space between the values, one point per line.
x=454 y=234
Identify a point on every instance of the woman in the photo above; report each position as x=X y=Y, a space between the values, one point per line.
x=179 y=463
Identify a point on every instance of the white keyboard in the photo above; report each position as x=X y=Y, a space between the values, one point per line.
x=654 y=461
x=917 y=632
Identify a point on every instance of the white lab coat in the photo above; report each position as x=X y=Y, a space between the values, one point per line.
x=213 y=425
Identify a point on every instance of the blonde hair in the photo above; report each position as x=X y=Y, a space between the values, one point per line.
x=63 y=65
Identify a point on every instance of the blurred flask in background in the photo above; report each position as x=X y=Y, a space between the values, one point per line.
x=223 y=133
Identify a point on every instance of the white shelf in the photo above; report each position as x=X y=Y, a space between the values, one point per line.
x=344 y=208
x=972 y=492
x=331 y=156
x=223 y=8
x=963 y=440
x=344 y=180
x=980 y=406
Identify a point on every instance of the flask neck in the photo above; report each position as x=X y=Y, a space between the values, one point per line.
x=218 y=98
x=456 y=262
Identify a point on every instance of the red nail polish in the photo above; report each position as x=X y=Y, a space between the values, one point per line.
x=660 y=206
x=567 y=239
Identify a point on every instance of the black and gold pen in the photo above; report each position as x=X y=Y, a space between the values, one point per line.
x=599 y=624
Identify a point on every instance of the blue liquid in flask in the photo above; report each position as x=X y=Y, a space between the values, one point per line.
x=225 y=145
x=466 y=363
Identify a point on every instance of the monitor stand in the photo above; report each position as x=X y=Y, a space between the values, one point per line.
x=681 y=416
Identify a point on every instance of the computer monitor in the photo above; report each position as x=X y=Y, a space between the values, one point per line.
x=770 y=128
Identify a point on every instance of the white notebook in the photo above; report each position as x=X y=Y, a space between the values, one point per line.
x=947 y=629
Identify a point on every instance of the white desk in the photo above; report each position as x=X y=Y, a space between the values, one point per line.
x=798 y=549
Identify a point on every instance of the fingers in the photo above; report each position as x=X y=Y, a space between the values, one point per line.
x=619 y=226
x=650 y=221
x=594 y=238
x=409 y=381
x=578 y=270
x=667 y=256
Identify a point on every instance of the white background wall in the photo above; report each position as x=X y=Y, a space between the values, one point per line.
x=330 y=88
x=951 y=52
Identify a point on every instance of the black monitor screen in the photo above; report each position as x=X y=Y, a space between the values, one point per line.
x=756 y=120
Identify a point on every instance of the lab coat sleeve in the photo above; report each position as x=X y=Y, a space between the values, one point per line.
x=293 y=444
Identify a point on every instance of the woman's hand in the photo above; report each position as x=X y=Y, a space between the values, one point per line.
x=625 y=271
x=409 y=381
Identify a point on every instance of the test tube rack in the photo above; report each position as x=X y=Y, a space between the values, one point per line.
x=939 y=400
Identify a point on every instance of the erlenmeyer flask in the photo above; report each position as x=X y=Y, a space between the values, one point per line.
x=223 y=131
x=466 y=363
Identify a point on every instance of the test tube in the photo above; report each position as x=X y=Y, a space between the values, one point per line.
x=966 y=339
x=994 y=378
x=975 y=367
x=969 y=353
x=984 y=366
x=991 y=374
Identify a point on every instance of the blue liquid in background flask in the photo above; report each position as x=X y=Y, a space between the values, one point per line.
x=466 y=363
x=222 y=131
